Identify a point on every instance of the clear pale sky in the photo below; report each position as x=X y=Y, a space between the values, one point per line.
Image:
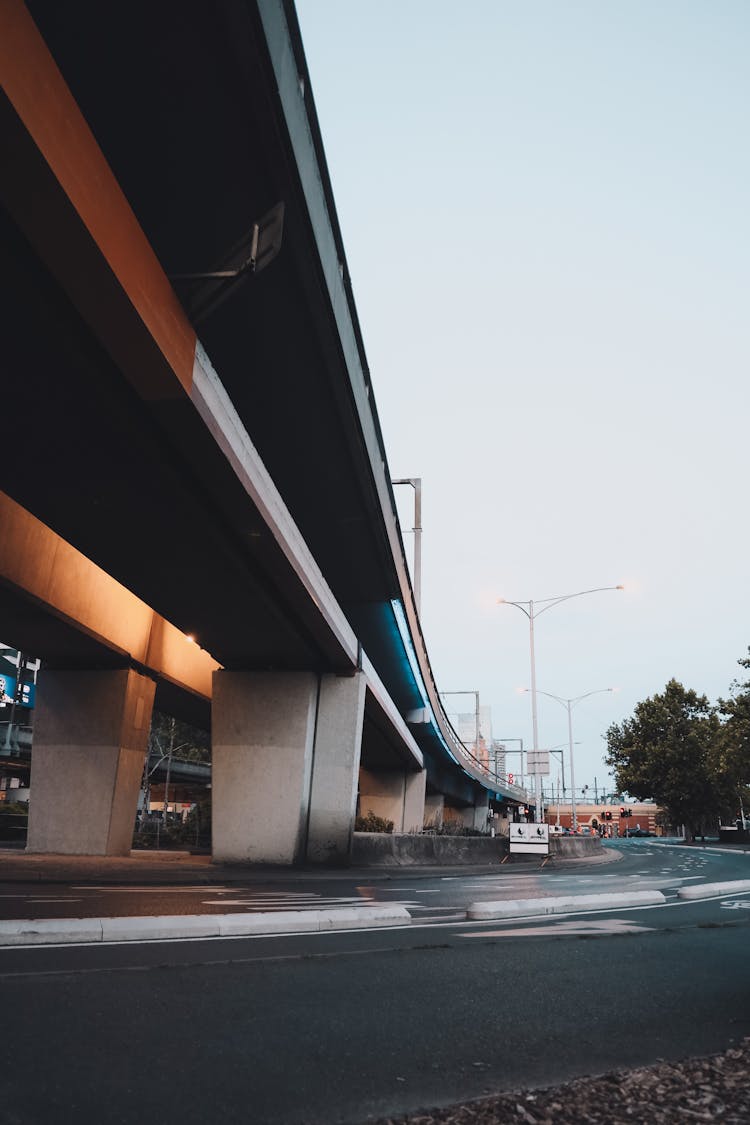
x=545 y=209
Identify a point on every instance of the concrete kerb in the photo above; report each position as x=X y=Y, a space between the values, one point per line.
x=84 y=931
x=513 y=908
x=711 y=890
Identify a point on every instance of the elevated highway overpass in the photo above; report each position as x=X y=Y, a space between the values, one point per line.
x=188 y=454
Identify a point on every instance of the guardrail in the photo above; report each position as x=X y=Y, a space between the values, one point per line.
x=497 y=779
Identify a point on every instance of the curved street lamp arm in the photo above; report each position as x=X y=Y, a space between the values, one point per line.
x=550 y=603
x=596 y=691
x=518 y=605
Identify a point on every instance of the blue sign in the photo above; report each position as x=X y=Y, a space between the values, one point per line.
x=8 y=692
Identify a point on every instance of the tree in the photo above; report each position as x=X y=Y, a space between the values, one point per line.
x=733 y=747
x=667 y=752
x=186 y=742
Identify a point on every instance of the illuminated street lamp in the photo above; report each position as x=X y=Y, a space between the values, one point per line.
x=533 y=612
x=569 y=704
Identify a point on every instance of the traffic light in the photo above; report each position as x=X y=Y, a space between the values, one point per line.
x=623 y=814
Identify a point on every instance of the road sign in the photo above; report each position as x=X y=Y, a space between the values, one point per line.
x=538 y=762
x=529 y=839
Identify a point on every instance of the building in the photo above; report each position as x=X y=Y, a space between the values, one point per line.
x=645 y=815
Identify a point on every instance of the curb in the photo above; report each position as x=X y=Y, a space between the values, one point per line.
x=85 y=931
x=708 y=890
x=485 y=911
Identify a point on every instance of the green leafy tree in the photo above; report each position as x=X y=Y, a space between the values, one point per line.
x=184 y=741
x=667 y=752
x=733 y=746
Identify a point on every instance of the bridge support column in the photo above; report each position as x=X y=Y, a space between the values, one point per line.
x=285 y=760
x=434 y=805
x=90 y=741
x=262 y=733
x=338 y=744
x=397 y=795
x=475 y=816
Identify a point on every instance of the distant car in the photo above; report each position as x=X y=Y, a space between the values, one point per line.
x=629 y=832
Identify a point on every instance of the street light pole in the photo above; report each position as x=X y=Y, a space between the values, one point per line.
x=569 y=704
x=416 y=484
x=532 y=613
x=558 y=750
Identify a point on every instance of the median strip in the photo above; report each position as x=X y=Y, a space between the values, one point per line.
x=510 y=908
x=709 y=890
x=84 y=931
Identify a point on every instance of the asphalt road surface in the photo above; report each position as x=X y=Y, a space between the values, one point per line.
x=645 y=865
x=348 y=1027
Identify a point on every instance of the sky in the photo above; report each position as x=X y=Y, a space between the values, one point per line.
x=544 y=206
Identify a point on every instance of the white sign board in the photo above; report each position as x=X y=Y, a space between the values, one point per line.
x=538 y=762
x=531 y=839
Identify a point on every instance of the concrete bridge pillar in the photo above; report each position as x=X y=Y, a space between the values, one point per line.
x=397 y=795
x=434 y=807
x=285 y=759
x=476 y=816
x=333 y=793
x=90 y=741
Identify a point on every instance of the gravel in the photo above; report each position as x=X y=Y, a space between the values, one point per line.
x=715 y=1088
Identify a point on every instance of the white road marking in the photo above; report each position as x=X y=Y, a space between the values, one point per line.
x=281 y=903
x=151 y=890
x=281 y=895
x=610 y=926
x=399 y=890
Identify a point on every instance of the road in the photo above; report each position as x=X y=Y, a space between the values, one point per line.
x=349 y=1027
x=644 y=864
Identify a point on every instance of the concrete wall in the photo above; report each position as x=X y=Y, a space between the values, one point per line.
x=380 y=849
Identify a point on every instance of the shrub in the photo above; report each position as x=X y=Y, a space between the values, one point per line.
x=14 y=808
x=449 y=828
x=372 y=823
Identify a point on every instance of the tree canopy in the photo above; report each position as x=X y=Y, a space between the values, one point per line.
x=186 y=742
x=667 y=751
x=733 y=749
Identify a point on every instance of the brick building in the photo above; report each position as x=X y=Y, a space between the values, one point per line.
x=642 y=814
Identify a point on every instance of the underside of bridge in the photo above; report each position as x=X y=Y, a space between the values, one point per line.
x=208 y=445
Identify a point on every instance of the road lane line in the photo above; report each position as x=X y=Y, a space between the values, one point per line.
x=612 y=926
